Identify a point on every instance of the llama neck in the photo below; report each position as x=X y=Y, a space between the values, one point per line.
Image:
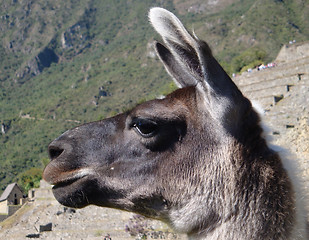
x=248 y=221
x=227 y=231
x=266 y=210
x=246 y=230
x=242 y=227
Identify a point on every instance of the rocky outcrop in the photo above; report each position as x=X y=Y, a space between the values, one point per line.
x=76 y=38
x=46 y=58
x=36 y=65
x=5 y=126
x=36 y=35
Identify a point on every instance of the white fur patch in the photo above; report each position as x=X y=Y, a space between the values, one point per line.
x=84 y=172
x=165 y=23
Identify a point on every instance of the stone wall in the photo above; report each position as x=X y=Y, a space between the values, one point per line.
x=12 y=209
x=7 y=210
x=4 y=207
x=292 y=52
x=3 y=217
x=15 y=196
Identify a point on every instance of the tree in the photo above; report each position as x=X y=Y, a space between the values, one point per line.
x=30 y=179
x=248 y=59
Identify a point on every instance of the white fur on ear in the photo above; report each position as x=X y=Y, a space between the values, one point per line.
x=169 y=26
x=180 y=49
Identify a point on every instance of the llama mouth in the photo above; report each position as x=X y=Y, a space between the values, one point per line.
x=66 y=182
x=71 y=178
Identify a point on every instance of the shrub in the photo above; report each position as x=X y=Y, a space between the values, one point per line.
x=30 y=179
x=248 y=59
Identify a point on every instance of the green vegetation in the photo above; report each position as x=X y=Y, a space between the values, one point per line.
x=104 y=62
x=30 y=179
x=250 y=58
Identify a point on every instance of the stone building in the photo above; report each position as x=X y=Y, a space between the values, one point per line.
x=11 y=200
x=13 y=194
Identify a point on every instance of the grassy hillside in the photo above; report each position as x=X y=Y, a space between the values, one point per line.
x=68 y=62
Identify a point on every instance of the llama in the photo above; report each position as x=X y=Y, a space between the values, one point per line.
x=196 y=159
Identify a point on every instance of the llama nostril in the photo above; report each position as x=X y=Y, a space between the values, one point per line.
x=55 y=152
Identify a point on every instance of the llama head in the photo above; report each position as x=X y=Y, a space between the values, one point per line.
x=191 y=159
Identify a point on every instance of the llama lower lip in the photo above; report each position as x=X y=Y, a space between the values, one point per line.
x=66 y=182
x=81 y=192
x=71 y=177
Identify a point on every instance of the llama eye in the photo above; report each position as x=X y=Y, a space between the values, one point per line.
x=146 y=128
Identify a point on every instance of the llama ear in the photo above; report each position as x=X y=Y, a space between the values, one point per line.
x=191 y=63
x=179 y=57
x=175 y=68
